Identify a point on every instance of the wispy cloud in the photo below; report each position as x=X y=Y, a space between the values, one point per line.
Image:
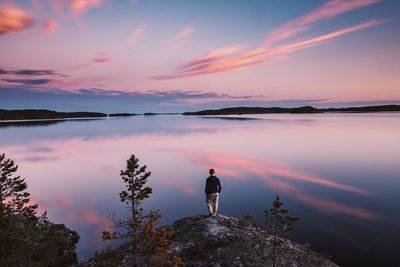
x=29 y=72
x=327 y=11
x=181 y=37
x=106 y=99
x=228 y=58
x=81 y=6
x=135 y=35
x=28 y=81
x=32 y=77
x=14 y=19
x=262 y=55
x=101 y=57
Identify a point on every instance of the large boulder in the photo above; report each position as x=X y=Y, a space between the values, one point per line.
x=227 y=241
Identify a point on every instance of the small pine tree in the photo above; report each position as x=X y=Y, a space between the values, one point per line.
x=150 y=246
x=279 y=224
x=135 y=178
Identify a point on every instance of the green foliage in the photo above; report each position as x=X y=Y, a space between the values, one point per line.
x=134 y=178
x=13 y=197
x=150 y=246
x=154 y=244
x=16 y=214
x=25 y=239
x=279 y=224
x=277 y=219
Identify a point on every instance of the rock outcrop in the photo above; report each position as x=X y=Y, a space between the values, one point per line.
x=227 y=241
x=223 y=241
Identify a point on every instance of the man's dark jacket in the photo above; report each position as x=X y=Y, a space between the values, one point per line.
x=213 y=185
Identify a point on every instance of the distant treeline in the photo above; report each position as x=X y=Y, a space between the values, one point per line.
x=122 y=114
x=299 y=110
x=30 y=114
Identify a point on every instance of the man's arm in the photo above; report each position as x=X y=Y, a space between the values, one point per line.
x=219 y=187
x=206 y=188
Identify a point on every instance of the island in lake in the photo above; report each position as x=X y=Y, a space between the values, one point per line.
x=37 y=114
x=298 y=110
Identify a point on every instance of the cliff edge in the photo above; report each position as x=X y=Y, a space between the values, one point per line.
x=228 y=241
x=223 y=241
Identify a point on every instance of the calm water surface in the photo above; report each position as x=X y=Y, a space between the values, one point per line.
x=340 y=173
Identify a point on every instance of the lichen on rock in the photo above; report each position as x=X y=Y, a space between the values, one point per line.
x=226 y=241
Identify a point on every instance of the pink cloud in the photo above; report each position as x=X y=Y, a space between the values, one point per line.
x=136 y=35
x=187 y=188
x=93 y=218
x=14 y=19
x=181 y=37
x=101 y=57
x=328 y=10
x=81 y=6
x=332 y=207
x=226 y=58
x=262 y=55
x=321 y=204
x=214 y=55
x=235 y=164
x=99 y=221
x=62 y=200
x=49 y=26
x=184 y=33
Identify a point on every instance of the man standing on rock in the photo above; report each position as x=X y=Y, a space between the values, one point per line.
x=213 y=188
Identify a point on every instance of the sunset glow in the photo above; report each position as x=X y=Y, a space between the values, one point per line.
x=171 y=56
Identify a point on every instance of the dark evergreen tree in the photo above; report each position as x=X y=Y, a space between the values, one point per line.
x=279 y=224
x=16 y=213
x=135 y=178
x=149 y=245
x=25 y=239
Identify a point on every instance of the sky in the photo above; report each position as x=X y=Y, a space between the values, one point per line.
x=173 y=56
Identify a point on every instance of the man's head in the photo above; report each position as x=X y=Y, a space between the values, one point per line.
x=211 y=171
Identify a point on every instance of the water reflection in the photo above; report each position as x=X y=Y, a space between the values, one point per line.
x=4 y=124
x=272 y=173
x=339 y=173
x=230 y=118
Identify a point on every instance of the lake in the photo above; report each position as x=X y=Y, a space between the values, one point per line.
x=340 y=173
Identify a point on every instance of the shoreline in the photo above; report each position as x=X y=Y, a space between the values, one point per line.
x=40 y=115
